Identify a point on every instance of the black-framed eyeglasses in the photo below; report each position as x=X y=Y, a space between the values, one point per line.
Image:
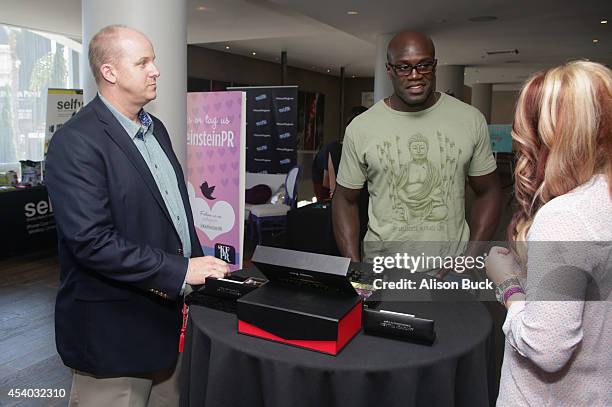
x=423 y=68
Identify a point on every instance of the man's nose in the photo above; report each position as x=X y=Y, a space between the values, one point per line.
x=414 y=74
x=155 y=71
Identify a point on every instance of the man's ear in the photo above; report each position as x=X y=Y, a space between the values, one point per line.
x=108 y=73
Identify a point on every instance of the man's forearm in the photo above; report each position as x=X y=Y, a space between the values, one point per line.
x=345 y=216
x=484 y=218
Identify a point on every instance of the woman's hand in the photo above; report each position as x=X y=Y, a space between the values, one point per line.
x=500 y=265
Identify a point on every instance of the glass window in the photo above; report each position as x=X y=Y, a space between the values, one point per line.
x=30 y=63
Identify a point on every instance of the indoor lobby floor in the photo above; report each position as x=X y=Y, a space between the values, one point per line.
x=28 y=358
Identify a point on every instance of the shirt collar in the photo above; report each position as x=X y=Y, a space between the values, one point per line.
x=134 y=130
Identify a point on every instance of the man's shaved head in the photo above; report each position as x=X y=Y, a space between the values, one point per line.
x=409 y=39
x=411 y=66
x=105 y=47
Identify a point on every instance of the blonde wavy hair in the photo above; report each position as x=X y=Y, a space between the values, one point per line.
x=562 y=126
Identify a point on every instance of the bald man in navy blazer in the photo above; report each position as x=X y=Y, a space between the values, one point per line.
x=127 y=243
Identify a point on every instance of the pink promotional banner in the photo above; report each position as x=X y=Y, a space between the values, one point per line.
x=216 y=125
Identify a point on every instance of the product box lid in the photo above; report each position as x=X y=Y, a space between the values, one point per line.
x=307 y=271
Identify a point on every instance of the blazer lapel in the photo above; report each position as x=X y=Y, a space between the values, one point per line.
x=114 y=129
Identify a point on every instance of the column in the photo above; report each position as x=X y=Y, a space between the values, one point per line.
x=382 y=83
x=283 y=67
x=450 y=79
x=165 y=23
x=481 y=98
x=342 y=90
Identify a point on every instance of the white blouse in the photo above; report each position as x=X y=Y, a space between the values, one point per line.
x=558 y=348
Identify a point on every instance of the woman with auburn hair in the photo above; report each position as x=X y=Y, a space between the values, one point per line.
x=555 y=280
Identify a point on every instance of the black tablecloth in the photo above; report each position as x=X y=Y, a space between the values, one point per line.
x=223 y=368
x=26 y=221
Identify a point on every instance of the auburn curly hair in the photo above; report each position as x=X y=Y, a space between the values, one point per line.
x=562 y=127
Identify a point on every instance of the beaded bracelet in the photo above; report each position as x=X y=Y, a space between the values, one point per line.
x=515 y=289
x=503 y=286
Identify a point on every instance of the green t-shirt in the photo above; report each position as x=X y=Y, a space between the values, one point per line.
x=415 y=164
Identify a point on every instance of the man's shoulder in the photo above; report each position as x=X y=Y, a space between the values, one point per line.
x=82 y=125
x=84 y=118
x=459 y=107
x=373 y=113
x=368 y=119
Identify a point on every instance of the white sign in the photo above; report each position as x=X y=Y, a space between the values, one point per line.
x=62 y=104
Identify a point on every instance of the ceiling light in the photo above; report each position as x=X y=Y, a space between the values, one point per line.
x=482 y=19
x=202 y=8
x=253 y=53
x=352 y=13
x=604 y=21
x=227 y=47
x=595 y=40
x=329 y=70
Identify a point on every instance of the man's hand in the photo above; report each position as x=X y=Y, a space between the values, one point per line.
x=443 y=272
x=200 y=268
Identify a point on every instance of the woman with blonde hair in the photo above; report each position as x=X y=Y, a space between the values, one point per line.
x=555 y=278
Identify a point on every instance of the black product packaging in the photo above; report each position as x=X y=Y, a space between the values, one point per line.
x=230 y=288
x=398 y=325
x=221 y=294
x=308 y=301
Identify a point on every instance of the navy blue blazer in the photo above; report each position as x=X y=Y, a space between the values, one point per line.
x=122 y=267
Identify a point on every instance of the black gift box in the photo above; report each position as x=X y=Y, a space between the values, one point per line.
x=308 y=301
x=221 y=294
x=229 y=288
x=398 y=325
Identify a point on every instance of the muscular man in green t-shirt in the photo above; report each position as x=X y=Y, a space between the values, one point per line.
x=415 y=149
